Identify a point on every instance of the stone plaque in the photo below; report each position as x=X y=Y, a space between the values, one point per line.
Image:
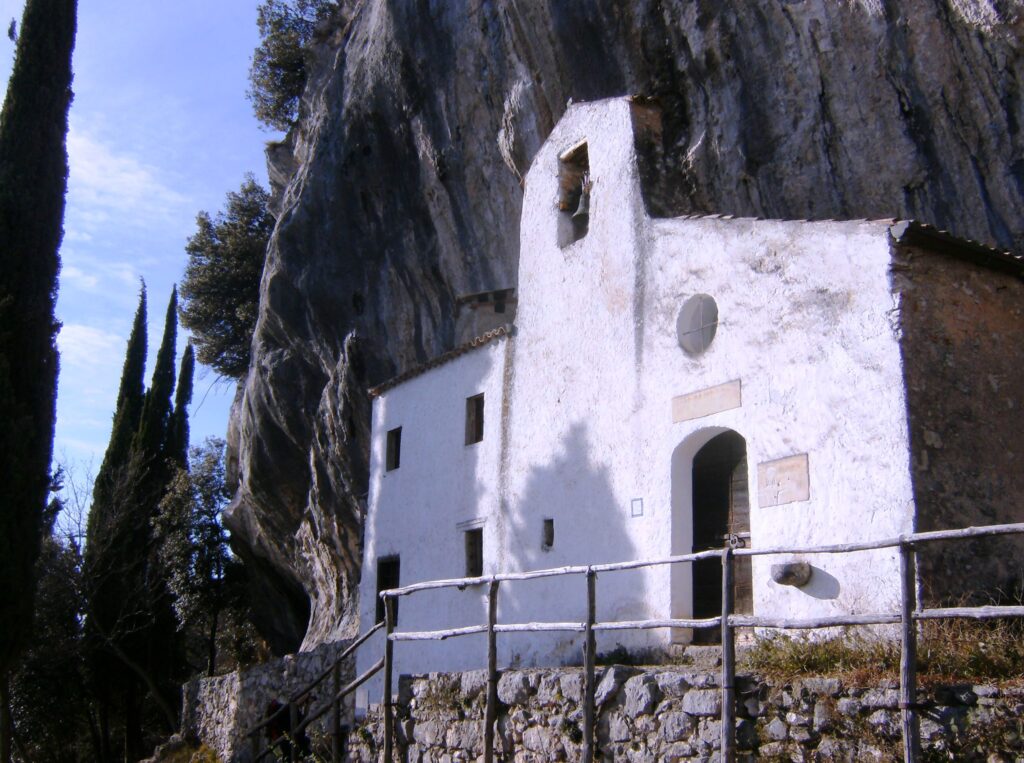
x=786 y=480
x=706 y=401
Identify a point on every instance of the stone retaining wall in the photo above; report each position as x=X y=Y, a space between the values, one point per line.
x=219 y=711
x=668 y=713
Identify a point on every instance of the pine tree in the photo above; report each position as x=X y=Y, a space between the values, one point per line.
x=278 y=73
x=33 y=181
x=221 y=289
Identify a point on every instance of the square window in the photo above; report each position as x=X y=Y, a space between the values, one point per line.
x=474 y=552
x=394 y=449
x=387 y=578
x=474 y=419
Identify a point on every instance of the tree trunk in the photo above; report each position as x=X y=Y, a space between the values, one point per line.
x=6 y=723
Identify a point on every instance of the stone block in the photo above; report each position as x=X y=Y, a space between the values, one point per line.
x=822 y=687
x=800 y=734
x=641 y=755
x=465 y=735
x=472 y=683
x=428 y=733
x=777 y=730
x=645 y=724
x=676 y=727
x=830 y=750
x=672 y=684
x=676 y=751
x=549 y=690
x=884 y=721
x=702 y=702
x=610 y=682
x=618 y=728
x=571 y=685
x=822 y=718
x=536 y=739
x=881 y=698
x=752 y=706
x=710 y=732
x=796 y=719
x=514 y=688
x=641 y=695
x=776 y=750
x=849 y=706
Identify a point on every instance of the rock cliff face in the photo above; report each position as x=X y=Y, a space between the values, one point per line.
x=400 y=190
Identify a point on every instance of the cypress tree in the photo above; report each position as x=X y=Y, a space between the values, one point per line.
x=156 y=411
x=127 y=412
x=177 y=438
x=33 y=181
x=130 y=616
x=110 y=532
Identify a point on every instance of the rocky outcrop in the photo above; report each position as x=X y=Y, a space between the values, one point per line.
x=400 y=190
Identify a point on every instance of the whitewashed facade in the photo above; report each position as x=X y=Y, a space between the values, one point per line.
x=594 y=414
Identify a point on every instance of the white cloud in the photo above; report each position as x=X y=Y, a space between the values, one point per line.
x=78 y=278
x=90 y=348
x=107 y=185
x=90 y=366
x=92 y=273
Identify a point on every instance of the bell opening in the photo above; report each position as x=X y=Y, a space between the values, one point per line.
x=574 y=186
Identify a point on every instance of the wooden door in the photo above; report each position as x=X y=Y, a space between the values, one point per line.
x=721 y=508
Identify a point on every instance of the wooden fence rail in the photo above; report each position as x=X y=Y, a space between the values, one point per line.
x=910 y=612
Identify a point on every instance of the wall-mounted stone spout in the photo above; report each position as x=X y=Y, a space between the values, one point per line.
x=792 y=573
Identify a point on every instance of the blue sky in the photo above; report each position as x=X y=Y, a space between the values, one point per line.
x=160 y=129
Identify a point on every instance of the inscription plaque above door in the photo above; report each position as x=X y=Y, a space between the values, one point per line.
x=704 y=402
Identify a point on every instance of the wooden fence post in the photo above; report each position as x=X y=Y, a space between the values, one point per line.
x=491 y=712
x=589 y=660
x=389 y=627
x=908 y=655
x=728 y=661
x=336 y=715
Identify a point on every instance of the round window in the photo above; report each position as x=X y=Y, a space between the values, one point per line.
x=697 y=324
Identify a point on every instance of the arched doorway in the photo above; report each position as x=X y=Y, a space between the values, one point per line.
x=710 y=503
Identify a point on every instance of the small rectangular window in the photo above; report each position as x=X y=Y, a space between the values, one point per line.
x=474 y=419
x=387 y=577
x=549 y=534
x=474 y=553
x=394 y=449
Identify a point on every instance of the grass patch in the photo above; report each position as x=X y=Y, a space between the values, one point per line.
x=851 y=655
x=947 y=650
x=978 y=650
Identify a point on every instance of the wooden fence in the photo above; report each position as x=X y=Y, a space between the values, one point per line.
x=910 y=613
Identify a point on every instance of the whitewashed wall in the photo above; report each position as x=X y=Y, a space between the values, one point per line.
x=806 y=328
x=420 y=510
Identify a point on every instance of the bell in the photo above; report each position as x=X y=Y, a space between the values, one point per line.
x=583 y=210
